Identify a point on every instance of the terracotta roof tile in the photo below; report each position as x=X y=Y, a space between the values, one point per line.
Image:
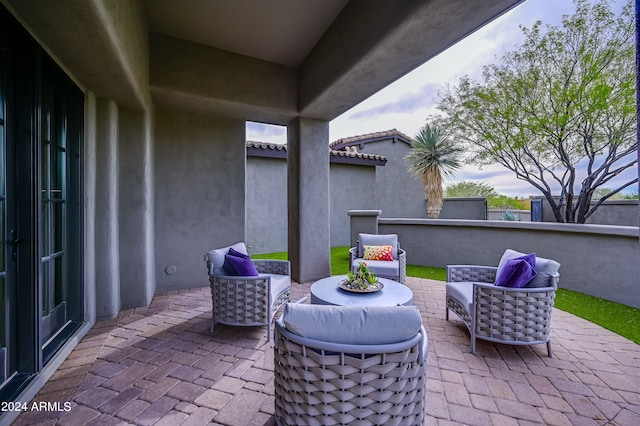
x=264 y=145
x=370 y=137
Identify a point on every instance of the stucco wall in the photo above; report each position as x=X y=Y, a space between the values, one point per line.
x=266 y=204
x=611 y=212
x=598 y=260
x=616 y=212
x=472 y=208
x=399 y=194
x=135 y=217
x=107 y=234
x=199 y=197
x=352 y=188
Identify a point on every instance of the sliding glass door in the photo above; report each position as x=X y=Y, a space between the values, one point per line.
x=41 y=274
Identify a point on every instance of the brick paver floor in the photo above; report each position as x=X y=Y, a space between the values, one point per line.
x=161 y=366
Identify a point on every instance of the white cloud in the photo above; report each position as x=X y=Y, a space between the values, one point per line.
x=269 y=133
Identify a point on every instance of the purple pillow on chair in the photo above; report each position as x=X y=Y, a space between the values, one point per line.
x=517 y=272
x=236 y=253
x=240 y=266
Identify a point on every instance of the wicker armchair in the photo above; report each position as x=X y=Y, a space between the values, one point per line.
x=515 y=316
x=394 y=270
x=247 y=300
x=349 y=365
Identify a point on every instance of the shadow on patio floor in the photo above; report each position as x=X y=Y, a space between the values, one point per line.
x=161 y=366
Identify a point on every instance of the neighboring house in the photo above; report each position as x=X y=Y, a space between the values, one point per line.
x=399 y=194
x=367 y=172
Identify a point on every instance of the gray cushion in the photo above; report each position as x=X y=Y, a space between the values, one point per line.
x=377 y=240
x=355 y=325
x=388 y=268
x=279 y=283
x=216 y=257
x=545 y=268
x=462 y=292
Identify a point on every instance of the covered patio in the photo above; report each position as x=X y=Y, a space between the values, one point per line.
x=160 y=365
x=132 y=115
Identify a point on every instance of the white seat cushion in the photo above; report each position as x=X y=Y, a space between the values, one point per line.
x=387 y=268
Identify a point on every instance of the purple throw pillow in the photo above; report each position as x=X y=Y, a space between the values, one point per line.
x=517 y=272
x=240 y=266
x=236 y=253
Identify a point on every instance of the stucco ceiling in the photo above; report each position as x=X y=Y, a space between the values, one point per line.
x=280 y=31
x=260 y=60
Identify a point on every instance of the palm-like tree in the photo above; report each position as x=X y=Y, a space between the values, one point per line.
x=432 y=155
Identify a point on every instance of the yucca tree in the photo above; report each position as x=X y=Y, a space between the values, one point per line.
x=433 y=154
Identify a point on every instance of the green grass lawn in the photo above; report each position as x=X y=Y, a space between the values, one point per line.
x=621 y=319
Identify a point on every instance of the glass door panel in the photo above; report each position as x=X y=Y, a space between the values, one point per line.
x=53 y=179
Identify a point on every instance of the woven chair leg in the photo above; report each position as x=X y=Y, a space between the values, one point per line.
x=549 y=352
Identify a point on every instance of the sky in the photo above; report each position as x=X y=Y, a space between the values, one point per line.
x=406 y=103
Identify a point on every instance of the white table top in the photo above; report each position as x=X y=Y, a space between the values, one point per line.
x=327 y=292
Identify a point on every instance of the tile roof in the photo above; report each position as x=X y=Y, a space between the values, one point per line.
x=354 y=157
x=273 y=150
x=266 y=146
x=394 y=134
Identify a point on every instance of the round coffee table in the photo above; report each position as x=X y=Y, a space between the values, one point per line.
x=327 y=292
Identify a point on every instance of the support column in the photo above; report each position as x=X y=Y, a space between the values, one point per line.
x=136 y=209
x=106 y=223
x=308 y=199
x=362 y=222
x=90 y=196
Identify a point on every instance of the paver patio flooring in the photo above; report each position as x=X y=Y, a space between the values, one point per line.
x=161 y=366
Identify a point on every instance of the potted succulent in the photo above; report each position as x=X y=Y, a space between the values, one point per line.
x=363 y=281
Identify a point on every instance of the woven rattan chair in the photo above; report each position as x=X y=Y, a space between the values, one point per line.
x=394 y=270
x=247 y=300
x=349 y=365
x=515 y=316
